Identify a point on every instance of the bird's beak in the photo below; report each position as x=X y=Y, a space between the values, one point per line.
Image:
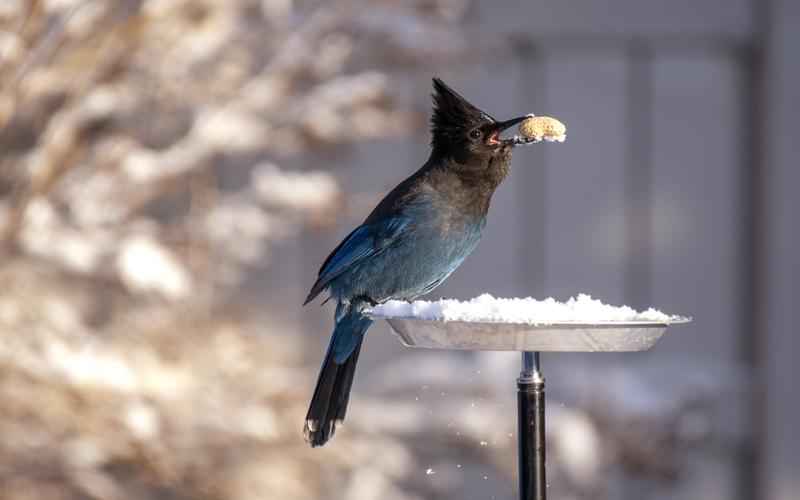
x=498 y=127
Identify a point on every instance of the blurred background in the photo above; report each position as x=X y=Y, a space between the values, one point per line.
x=173 y=172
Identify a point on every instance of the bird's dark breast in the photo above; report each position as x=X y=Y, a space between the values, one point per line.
x=466 y=190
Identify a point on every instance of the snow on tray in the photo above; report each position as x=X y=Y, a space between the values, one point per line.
x=486 y=308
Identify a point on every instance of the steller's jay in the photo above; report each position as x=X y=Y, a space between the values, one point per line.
x=411 y=242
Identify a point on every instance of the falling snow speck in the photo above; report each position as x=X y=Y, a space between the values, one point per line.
x=430 y=472
x=484 y=443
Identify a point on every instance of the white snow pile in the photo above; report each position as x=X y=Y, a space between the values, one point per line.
x=486 y=308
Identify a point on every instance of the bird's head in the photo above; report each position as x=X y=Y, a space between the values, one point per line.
x=462 y=131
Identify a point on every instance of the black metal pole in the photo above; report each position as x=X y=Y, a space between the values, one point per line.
x=530 y=429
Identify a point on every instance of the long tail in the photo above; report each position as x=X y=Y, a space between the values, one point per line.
x=329 y=403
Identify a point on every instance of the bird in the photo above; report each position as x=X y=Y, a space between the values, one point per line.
x=416 y=236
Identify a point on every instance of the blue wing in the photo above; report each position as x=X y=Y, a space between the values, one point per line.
x=364 y=242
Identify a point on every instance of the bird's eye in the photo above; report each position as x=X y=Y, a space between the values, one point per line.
x=475 y=134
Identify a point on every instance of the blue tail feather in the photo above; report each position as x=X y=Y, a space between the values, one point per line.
x=348 y=333
x=332 y=393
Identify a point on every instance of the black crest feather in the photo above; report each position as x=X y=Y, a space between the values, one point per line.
x=452 y=115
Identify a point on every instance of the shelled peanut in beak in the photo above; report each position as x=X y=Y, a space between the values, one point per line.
x=543 y=127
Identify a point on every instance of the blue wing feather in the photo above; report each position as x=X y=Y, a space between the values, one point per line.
x=365 y=241
x=357 y=246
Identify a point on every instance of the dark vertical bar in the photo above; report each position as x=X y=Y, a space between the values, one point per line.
x=749 y=301
x=753 y=126
x=639 y=170
x=530 y=430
